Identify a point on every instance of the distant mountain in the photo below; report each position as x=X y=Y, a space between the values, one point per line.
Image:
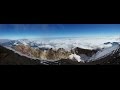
x=20 y=42
x=66 y=43
x=4 y=40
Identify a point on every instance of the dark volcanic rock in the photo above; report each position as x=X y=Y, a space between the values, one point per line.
x=87 y=52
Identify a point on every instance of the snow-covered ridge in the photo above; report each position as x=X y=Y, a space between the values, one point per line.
x=106 y=51
x=99 y=55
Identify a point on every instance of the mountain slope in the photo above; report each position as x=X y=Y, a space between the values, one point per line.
x=8 y=57
x=112 y=58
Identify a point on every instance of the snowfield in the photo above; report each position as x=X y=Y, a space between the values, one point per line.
x=105 y=52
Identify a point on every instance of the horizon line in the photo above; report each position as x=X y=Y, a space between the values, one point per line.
x=63 y=37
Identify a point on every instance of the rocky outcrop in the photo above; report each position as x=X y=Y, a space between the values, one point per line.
x=62 y=54
x=46 y=54
x=87 y=52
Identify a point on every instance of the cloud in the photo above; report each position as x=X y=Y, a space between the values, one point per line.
x=68 y=43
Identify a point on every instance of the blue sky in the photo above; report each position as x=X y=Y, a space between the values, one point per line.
x=18 y=31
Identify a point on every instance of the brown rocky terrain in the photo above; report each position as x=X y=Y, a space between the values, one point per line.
x=49 y=54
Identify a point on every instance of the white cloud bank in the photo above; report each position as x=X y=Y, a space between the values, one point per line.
x=68 y=43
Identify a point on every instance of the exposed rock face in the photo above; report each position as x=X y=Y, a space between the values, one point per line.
x=8 y=57
x=50 y=54
x=62 y=54
x=23 y=49
x=44 y=54
x=87 y=52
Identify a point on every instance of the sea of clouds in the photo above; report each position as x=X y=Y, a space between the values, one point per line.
x=70 y=43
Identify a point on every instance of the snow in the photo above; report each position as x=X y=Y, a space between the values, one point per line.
x=76 y=57
x=84 y=57
x=105 y=52
x=24 y=41
x=15 y=43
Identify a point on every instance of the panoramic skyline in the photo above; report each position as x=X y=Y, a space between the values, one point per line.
x=20 y=31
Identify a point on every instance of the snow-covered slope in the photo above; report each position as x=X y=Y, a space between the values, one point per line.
x=106 y=51
x=102 y=53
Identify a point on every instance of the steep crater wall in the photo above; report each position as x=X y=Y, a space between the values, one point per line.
x=51 y=54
